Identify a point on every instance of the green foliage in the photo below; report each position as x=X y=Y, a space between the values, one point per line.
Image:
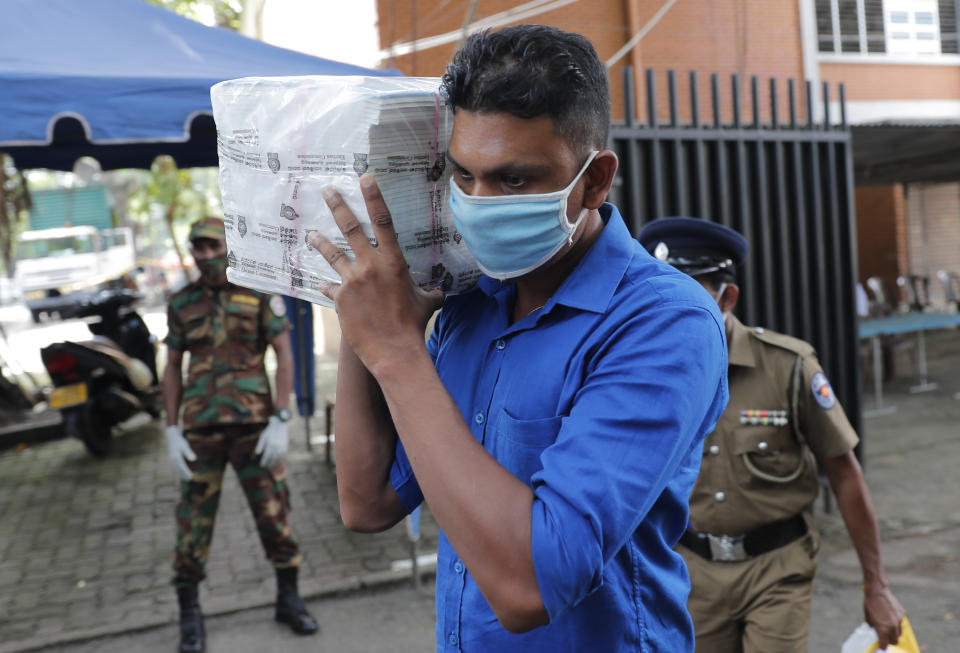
x=14 y=205
x=180 y=196
x=224 y=13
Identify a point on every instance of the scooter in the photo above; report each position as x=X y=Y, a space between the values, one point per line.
x=101 y=382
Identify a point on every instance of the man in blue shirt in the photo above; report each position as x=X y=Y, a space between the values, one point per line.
x=554 y=421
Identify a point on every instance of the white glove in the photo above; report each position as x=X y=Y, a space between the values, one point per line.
x=180 y=452
x=273 y=443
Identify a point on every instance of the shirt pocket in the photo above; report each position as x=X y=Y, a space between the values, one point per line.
x=520 y=442
x=766 y=453
x=197 y=330
x=242 y=319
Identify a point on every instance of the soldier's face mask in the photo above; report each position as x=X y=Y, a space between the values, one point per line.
x=213 y=271
x=511 y=235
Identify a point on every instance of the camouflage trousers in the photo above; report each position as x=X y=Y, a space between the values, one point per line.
x=266 y=491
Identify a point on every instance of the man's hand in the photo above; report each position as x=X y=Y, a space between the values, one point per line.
x=180 y=452
x=884 y=613
x=273 y=443
x=382 y=311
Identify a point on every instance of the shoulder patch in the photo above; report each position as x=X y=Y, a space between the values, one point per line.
x=244 y=299
x=782 y=341
x=278 y=306
x=822 y=391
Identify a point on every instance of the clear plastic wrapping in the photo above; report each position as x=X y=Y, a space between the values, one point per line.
x=282 y=140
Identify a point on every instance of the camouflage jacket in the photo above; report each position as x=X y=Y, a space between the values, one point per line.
x=226 y=332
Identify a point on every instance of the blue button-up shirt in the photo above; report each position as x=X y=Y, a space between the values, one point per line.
x=599 y=402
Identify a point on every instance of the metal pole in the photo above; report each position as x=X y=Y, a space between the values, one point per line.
x=302 y=366
x=924 y=385
x=879 y=408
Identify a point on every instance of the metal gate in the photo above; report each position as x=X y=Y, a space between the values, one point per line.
x=787 y=186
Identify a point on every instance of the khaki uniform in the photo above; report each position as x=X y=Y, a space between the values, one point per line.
x=759 y=468
x=226 y=405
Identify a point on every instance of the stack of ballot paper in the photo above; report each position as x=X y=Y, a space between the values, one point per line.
x=282 y=140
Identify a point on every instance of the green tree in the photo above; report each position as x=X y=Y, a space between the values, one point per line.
x=179 y=196
x=226 y=13
x=14 y=205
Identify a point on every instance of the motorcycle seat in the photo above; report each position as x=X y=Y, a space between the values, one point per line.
x=136 y=369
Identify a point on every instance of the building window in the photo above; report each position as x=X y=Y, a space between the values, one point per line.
x=892 y=27
x=921 y=29
x=854 y=26
x=948 y=11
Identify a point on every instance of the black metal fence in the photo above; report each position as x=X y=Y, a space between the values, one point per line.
x=787 y=185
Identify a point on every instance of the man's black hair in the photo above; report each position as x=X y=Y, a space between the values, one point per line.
x=530 y=71
x=717 y=278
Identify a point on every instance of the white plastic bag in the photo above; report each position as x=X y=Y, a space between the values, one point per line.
x=861 y=640
x=864 y=640
x=282 y=140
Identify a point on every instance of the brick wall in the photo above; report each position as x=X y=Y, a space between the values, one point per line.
x=933 y=231
x=721 y=36
x=604 y=22
x=725 y=37
x=894 y=82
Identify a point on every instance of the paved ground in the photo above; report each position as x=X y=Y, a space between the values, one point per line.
x=912 y=457
x=391 y=618
x=85 y=544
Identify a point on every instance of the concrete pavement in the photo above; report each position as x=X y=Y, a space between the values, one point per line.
x=391 y=618
x=912 y=456
x=85 y=545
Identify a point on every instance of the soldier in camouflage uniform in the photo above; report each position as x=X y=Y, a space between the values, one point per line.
x=228 y=416
x=751 y=541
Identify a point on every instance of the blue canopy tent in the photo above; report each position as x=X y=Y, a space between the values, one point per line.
x=122 y=81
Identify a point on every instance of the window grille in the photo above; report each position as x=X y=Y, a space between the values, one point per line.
x=861 y=26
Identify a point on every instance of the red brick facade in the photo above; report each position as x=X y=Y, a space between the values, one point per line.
x=880 y=217
x=721 y=36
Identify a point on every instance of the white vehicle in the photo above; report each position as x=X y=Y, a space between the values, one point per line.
x=55 y=268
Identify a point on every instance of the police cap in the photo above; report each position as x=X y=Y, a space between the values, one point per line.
x=207 y=228
x=694 y=246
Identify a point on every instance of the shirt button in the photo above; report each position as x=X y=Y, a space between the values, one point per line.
x=453 y=639
x=720 y=496
x=762 y=446
x=478 y=418
x=501 y=343
x=714 y=450
x=458 y=567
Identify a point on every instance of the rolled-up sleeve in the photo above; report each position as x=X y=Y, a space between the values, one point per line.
x=401 y=473
x=174 y=339
x=650 y=395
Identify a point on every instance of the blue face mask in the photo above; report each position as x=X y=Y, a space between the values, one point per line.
x=511 y=235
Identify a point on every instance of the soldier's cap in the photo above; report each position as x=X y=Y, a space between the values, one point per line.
x=207 y=228
x=693 y=245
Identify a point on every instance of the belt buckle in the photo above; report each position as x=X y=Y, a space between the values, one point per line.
x=724 y=548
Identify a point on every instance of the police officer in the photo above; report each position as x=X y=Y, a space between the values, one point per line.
x=228 y=416
x=751 y=541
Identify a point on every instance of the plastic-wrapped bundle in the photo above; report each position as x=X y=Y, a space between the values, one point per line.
x=282 y=140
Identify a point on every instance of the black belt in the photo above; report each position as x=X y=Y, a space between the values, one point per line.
x=732 y=548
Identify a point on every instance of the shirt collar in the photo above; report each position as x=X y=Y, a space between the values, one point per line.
x=741 y=349
x=591 y=285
